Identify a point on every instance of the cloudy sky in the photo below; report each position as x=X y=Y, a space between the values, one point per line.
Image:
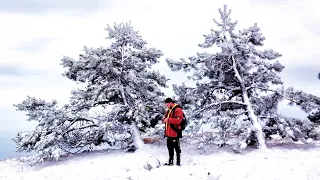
x=36 y=34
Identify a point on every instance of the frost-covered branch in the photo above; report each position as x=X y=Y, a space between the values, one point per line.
x=79 y=128
x=307 y=102
x=219 y=105
x=276 y=91
x=78 y=119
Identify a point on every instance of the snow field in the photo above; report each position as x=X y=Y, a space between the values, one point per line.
x=274 y=163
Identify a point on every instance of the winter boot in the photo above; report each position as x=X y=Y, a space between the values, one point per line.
x=169 y=163
x=178 y=159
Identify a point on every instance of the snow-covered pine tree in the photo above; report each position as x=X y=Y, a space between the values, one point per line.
x=118 y=83
x=228 y=78
x=120 y=77
x=56 y=133
x=238 y=77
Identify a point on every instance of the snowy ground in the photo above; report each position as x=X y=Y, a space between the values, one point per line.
x=283 y=162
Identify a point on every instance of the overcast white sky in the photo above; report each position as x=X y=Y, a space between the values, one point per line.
x=36 y=34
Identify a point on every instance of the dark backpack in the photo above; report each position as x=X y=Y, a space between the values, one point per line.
x=183 y=123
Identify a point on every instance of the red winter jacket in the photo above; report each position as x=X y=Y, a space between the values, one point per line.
x=175 y=119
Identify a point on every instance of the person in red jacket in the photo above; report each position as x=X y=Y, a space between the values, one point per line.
x=172 y=120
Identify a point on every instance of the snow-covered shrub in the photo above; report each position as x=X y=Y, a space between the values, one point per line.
x=223 y=128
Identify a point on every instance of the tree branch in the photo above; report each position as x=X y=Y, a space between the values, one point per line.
x=218 y=104
x=101 y=102
x=225 y=88
x=77 y=119
x=83 y=127
x=237 y=74
x=259 y=75
x=284 y=96
x=267 y=117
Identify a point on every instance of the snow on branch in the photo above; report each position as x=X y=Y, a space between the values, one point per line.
x=279 y=92
x=224 y=105
x=307 y=102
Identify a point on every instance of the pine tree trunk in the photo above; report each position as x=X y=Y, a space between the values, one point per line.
x=138 y=142
x=257 y=128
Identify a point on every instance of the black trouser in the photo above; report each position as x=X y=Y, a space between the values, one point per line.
x=173 y=144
